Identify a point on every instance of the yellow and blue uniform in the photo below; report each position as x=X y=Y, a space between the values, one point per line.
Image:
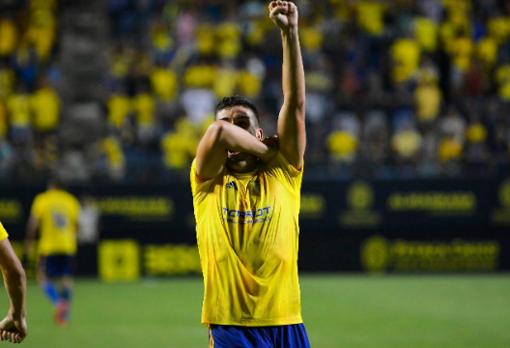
x=247 y=233
x=57 y=212
x=3 y=233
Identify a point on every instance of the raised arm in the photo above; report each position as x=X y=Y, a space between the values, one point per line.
x=291 y=120
x=13 y=327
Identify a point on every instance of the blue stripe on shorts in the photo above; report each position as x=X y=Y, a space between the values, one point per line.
x=284 y=336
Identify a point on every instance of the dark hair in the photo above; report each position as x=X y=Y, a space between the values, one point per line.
x=235 y=100
x=55 y=181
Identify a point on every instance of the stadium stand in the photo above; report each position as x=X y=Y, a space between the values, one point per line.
x=122 y=90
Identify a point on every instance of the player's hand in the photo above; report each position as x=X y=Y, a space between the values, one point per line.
x=273 y=144
x=13 y=330
x=284 y=14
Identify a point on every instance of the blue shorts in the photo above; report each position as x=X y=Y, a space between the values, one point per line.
x=284 y=336
x=58 y=265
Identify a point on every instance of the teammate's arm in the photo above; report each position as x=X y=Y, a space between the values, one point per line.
x=31 y=234
x=13 y=327
x=221 y=137
x=291 y=120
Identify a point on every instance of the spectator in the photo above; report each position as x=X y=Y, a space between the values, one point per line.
x=178 y=147
x=119 y=109
x=113 y=157
x=144 y=108
x=7 y=79
x=449 y=153
x=406 y=144
x=164 y=83
x=8 y=36
x=370 y=16
x=45 y=108
x=18 y=106
x=343 y=139
x=405 y=53
x=427 y=95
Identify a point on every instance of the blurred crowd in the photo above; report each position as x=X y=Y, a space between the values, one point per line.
x=29 y=104
x=394 y=88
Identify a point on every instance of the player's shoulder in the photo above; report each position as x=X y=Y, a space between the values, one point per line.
x=70 y=197
x=3 y=232
x=41 y=196
x=280 y=163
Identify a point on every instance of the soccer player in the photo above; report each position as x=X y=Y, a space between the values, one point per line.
x=55 y=215
x=246 y=198
x=13 y=327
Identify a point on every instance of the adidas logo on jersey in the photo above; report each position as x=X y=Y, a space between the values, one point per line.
x=231 y=185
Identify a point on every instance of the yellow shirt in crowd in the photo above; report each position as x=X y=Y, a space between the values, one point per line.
x=406 y=57
x=19 y=110
x=164 y=83
x=342 y=145
x=370 y=16
x=449 y=149
x=119 y=107
x=503 y=78
x=427 y=97
x=179 y=147
x=46 y=109
x=143 y=105
x=426 y=30
x=112 y=149
x=9 y=37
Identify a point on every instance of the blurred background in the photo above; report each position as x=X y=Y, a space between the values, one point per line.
x=407 y=165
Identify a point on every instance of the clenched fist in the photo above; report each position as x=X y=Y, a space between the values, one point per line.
x=13 y=330
x=284 y=14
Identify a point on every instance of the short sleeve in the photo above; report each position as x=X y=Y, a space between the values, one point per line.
x=198 y=185
x=3 y=232
x=285 y=172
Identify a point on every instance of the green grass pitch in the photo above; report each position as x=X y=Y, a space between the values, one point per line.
x=339 y=311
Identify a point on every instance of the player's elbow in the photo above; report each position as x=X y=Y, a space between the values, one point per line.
x=300 y=104
x=215 y=131
x=296 y=103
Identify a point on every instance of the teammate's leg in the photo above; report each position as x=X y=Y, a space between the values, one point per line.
x=64 y=304
x=66 y=293
x=44 y=280
x=66 y=272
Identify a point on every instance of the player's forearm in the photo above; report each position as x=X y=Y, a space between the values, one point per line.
x=15 y=284
x=236 y=139
x=30 y=234
x=14 y=279
x=293 y=76
x=291 y=121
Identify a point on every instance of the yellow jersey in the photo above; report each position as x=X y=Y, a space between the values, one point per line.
x=57 y=212
x=247 y=233
x=3 y=232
